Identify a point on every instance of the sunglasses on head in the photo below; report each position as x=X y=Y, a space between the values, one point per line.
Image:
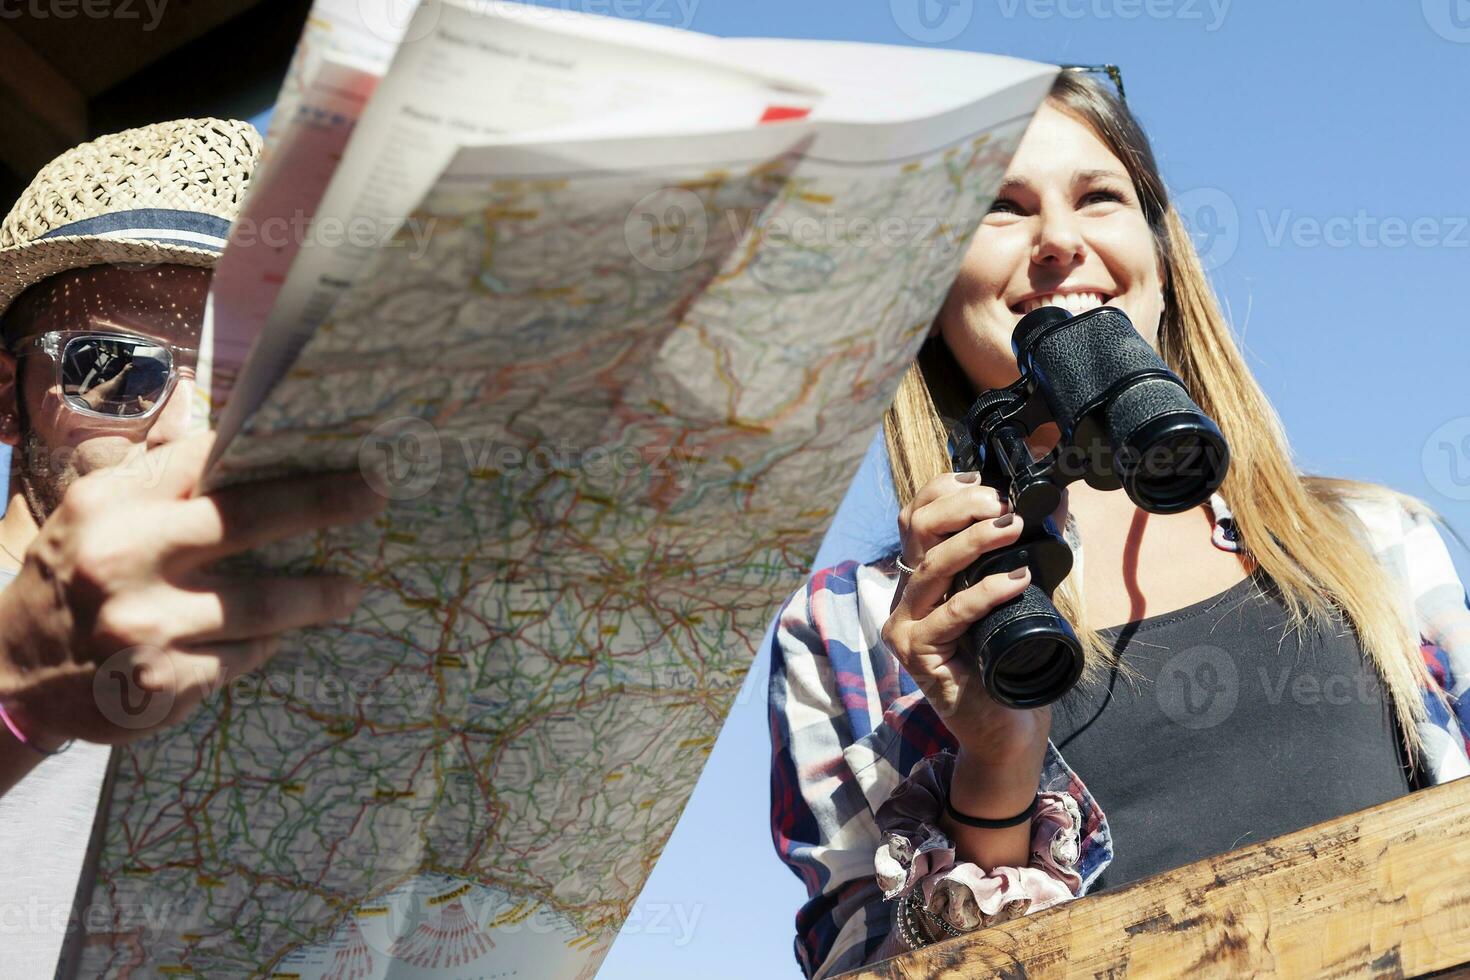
x=1113 y=73
x=110 y=375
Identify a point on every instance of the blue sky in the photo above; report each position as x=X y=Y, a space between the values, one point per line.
x=1319 y=152
x=1306 y=142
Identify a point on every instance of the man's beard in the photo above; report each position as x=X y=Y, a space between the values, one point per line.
x=45 y=474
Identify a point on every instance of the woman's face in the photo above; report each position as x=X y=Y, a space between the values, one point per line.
x=1066 y=229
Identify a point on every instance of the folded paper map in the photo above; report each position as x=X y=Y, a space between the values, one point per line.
x=632 y=303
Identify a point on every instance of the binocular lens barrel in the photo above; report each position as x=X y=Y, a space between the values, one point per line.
x=1098 y=376
x=1028 y=654
x=1169 y=455
x=1114 y=399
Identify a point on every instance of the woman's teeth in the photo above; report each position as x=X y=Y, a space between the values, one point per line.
x=1073 y=303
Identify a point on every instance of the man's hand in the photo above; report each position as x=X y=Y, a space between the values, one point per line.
x=117 y=624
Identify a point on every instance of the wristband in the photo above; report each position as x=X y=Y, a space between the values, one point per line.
x=985 y=824
x=20 y=736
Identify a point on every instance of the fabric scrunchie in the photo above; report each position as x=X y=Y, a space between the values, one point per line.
x=916 y=854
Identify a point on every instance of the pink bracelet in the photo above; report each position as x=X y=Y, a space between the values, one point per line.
x=20 y=736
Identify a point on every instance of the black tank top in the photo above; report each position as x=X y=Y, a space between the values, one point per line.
x=1233 y=735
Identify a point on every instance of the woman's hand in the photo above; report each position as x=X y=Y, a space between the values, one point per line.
x=950 y=522
x=118 y=625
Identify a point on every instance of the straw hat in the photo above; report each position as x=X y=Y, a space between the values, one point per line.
x=160 y=193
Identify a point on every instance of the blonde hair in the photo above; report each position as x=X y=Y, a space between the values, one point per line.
x=1297 y=527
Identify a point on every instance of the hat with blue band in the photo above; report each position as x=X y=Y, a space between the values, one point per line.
x=164 y=226
x=161 y=193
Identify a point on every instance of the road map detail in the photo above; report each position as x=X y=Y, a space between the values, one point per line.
x=612 y=451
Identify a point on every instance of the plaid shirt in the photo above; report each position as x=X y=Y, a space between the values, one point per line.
x=848 y=723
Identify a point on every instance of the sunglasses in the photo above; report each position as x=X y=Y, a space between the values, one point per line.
x=110 y=375
x=1114 y=73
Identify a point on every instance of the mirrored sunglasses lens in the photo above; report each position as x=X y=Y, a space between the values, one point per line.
x=113 y=376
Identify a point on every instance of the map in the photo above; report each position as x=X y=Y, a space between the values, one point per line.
x=615 y=413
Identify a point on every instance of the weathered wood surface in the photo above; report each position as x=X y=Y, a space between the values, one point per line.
x=1384 y=892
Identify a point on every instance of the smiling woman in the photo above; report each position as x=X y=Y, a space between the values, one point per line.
x=912 y=804
x=1067 y=228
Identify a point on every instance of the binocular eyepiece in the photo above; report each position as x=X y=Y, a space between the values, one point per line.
x=1125 y=422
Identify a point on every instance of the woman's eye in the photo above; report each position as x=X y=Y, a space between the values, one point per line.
x=1103 y=195
x=1004 y=206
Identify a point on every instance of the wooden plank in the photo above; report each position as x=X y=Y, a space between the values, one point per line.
x=1384 y=892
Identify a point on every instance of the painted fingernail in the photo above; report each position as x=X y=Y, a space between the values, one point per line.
x=1005 y=520
x=1020 y=573
x=969 y=476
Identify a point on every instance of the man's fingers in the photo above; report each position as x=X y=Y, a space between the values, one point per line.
x=191 y=675
x=176 y=467
x=246 y=516
x=146 y=688
x=240 y=608
x=206 y=669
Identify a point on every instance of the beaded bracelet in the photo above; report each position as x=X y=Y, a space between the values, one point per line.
x=909 y=908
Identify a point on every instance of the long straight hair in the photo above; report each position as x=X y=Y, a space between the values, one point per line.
x=1297 y=528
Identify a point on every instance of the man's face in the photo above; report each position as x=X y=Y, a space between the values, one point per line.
x=55 y=442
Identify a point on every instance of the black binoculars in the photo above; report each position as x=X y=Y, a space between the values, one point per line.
x=1126 y=421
